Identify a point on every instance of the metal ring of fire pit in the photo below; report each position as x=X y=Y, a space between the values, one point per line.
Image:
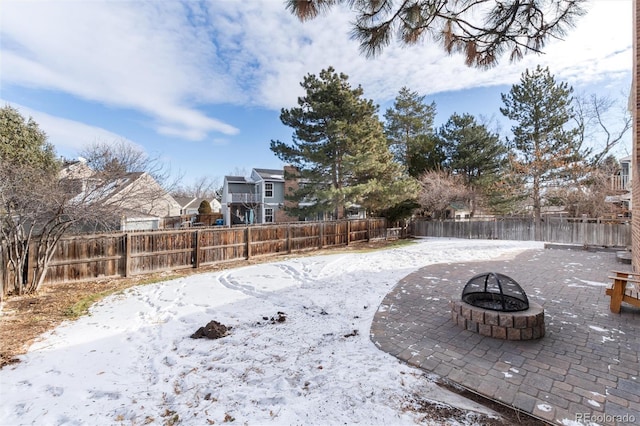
x=496 y=292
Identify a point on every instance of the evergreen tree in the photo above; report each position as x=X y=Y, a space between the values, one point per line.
x=23 y=144
x=409 y=130
x=28 y=189
x=339 y=149
x=425 y=154
x=546 y=148
x=483 y=31
x=474 y=153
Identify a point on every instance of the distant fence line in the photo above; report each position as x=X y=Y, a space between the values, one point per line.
x=553 y=230
x=87 y=257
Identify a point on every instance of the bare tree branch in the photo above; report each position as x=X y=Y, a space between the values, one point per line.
x=203 y=187
x=438 y=189
x=603 y=123
x=117 y=158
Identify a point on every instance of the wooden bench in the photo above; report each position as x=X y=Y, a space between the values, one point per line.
x=625 y=288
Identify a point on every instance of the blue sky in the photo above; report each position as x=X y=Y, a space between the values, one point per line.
x=201 y=83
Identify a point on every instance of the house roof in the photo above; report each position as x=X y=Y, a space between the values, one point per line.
x=184 y=201
x=270 y=174
x=75 y=170
x=107 y=190
x=131 y=192
x=235 y=179
x=123 y=182
x=458 y=206
x=195 y=203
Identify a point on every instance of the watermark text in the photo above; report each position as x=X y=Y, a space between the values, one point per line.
x=605 y=418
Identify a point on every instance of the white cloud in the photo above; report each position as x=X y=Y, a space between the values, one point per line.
x=169 y=60
x=273 y=52
x=69 y=137
x=126 y=54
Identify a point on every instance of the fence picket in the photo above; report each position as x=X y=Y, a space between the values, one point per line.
x=110 y=255
x=580 y=232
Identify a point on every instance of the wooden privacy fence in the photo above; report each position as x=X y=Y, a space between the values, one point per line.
x=87 y=257
x=553 y=230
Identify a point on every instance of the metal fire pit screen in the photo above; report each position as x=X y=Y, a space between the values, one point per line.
x=496 y=292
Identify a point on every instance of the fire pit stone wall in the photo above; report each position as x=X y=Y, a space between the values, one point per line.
x=523 y=325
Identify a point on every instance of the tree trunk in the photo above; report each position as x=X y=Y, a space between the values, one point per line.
x=537 y=214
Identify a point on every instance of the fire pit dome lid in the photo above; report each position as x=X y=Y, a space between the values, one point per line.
x=494 y=291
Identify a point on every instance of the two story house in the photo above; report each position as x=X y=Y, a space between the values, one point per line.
x=135 y=199
x=621 y=186
x=258 y=198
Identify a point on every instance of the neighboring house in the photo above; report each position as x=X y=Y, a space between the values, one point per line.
x=184 y=203
x=189 y=208
x=553 y=211
x=137 y=221
x=260 y=198
x=457 y=211
x=271 y=185
x=139 y=192
x=621 y=185
x=355 y=211
x=256 y=199
x=75 y=170
x=138 y=200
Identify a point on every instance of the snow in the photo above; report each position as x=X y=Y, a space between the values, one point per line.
x=588 y=283
x=132 y=361
x=593 y=403
x=545 y=407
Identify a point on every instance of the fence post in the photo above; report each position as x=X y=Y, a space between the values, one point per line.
x=127 y=255
x=288 y=242
x=348 y=231
x=248 y=239
x=368 y=229
x=196 y=254
x=321 y=234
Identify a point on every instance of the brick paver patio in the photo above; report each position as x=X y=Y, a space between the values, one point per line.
x=586 y=367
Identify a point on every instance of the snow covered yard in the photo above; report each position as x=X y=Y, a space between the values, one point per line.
x=132 y=361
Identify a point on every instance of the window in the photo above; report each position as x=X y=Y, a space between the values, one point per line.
x=268 y=190
x=268 y=215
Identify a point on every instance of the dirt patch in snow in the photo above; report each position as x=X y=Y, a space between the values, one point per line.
x=213 y=330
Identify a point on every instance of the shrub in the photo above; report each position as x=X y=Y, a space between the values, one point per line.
x=205 y=207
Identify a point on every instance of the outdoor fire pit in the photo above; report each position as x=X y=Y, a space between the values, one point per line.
x=496 y=292
x=495 y=305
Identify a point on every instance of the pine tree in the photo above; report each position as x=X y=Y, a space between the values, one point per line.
x=481 y=30
x=339 y=149
x=28 y=187
x=474 y=153
x=410 y=133
x=23 y=143
x=545 y=147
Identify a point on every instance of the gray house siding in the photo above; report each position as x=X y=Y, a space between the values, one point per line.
x=246 y=201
